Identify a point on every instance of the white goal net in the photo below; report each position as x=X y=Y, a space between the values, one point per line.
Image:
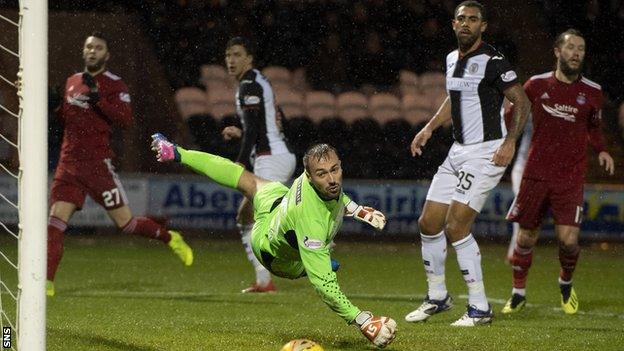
x=23 y=174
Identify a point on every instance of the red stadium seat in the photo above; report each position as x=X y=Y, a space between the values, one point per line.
x=221 y=103
x=290 y=102
x=409 y=83
x=384 y=107
x=416 y=108
x=432 y=83
x=214 y=74
x=191 y=102
x=352 y=106
x=320 y=105
x=280 y=77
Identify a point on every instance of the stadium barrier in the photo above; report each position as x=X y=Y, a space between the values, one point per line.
x=193 y=202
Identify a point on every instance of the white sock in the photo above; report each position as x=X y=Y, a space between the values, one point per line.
x=263 y=276
x=434 y=259
x=521 y=292
x=469 y=259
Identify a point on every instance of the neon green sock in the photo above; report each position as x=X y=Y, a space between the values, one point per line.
x=219 y=169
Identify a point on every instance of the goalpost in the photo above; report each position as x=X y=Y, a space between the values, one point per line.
x=32 y=177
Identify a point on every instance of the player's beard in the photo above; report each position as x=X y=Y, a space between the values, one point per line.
x=95 y=66
x=569 y=71
x=465 y=43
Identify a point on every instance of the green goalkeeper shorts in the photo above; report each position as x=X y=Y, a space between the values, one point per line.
x=266 y=204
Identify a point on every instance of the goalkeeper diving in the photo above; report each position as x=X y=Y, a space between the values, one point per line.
x=294 y=227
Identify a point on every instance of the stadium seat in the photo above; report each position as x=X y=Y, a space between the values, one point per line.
x=221 y=103
x=408 y=83
x=299 y=80
x=621 y=117
x=214 y=74
x=291 y=103
x=280 y=77
x=416 y=108
x=320 y=105
x=191 y=101
x=352 y=106
x=432 y=83
x=384 y=107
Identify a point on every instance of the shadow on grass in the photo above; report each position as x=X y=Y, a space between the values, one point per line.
x=97 y=342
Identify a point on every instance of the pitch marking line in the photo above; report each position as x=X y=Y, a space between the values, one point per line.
x=182 y=294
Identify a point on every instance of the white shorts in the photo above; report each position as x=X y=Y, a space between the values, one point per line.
x=467 y=175
x=278 y=168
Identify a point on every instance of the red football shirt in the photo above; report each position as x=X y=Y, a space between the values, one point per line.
x=565 y=116
x=88 y=128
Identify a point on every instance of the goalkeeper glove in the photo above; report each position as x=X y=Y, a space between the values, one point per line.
x=379 y=330
x=87 y=79
x=165 y=150
x=366 y=214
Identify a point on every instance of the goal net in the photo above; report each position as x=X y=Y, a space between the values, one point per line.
x=23 y=174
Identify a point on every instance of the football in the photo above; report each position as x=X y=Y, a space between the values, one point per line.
x=301 y=345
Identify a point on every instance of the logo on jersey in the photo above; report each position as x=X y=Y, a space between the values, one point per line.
x=79 y=100
x=473 y=68
x=125 y=97
x=251 y=100
x=545 y=96
x=508 y=76
x=312 y=243
x=581 y=99
x=566 y=112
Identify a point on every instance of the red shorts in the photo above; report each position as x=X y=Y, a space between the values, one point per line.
x=74 y=180
x=565 y=200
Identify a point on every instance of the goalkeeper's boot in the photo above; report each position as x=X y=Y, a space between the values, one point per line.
x=180 y=248
x=50 y=288
x=474 y=317
x=514 y=304
x=569 y=301
x=256 y=288
x=428 y=308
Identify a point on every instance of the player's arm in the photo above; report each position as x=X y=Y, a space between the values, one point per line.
x=115 y=106
x=597 y=140
x=251 y=103
x=441 y=116
x=317 y=263
x=499 y=73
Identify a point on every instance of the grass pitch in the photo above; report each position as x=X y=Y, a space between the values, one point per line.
x=120 y=293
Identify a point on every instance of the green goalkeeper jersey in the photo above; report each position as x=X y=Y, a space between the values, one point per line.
x=292 y=237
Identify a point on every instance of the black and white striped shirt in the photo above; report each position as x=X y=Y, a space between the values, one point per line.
x=475 y=84
x=255 y=106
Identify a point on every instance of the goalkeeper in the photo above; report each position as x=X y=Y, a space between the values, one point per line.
x=293 y=227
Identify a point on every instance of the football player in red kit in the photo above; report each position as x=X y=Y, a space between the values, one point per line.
x=95 y=102
x=566 y=115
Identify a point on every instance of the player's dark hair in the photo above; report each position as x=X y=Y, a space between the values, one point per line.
x=561 y=37
x=101 y=36
x=472 y=3
x=244 y=42
x=318 y=152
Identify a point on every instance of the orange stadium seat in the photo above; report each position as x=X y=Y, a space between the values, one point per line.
x=291 y=103
x=352 y=106
x=416 y=108
x=408 y=83
x=214 y=74
x=221 y=103
x=432 y=83
x=299 y=80
x=320 y=105
x=280 y=77
x=191 y=102
x=384 y=107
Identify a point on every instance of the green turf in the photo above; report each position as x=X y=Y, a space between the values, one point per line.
x=121 y=294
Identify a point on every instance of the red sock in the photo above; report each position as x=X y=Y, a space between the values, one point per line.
x=56 y=234
x=568 y=256
x=147 y=227
x=521 y=262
